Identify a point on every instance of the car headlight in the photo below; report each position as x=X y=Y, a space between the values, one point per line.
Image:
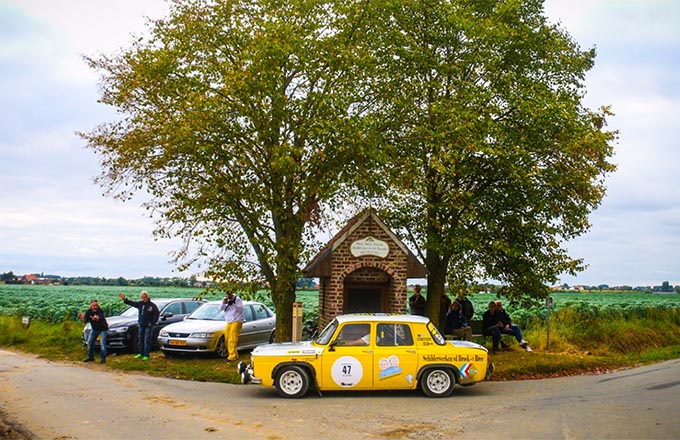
x=202 y=335
x=163 y=334
x=123 y=329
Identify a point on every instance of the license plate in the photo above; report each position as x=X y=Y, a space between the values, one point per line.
x=177 y=342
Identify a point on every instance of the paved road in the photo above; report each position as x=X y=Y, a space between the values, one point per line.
x=72 y=401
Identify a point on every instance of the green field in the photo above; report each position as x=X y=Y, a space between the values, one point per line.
x=59 y=303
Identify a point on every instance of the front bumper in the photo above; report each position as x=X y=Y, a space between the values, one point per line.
x=187 y=345
x=113 y=340
x=247 y=374
x=489 y=370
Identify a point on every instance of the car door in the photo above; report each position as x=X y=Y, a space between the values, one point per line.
x=395 y=362
x=348 y=361
x=173 y=312
x=247 y=335
x=263 y=324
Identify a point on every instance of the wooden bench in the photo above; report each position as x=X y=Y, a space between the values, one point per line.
x=477 y=332
x=476 y=325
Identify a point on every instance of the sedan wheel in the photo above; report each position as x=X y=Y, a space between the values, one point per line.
x=437 y=382
x=292 y=381
x=221 y=348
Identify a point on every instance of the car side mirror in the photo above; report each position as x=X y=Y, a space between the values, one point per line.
x=167 y=315
x=331 y=346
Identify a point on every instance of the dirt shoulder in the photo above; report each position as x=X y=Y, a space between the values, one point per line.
x=10 y=430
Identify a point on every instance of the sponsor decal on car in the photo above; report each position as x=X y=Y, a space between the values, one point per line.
x=389 y=367
x=467 y=370
x=347 y=371
x=453 y=358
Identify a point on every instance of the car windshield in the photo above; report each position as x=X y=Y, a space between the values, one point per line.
x=130 y=312
x=210 y=312
x=133 y=312
x=327 y=333
x=438 y=338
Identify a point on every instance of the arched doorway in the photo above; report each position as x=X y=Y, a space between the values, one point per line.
x=366 y=297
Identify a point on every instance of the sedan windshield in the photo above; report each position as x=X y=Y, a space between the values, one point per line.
x=325 y=336
x=130 y=312
x=210 y=312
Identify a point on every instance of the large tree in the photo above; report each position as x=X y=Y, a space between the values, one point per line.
x=239 y=118
x=499 y=161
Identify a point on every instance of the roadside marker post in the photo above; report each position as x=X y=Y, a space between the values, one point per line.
x=548 y=306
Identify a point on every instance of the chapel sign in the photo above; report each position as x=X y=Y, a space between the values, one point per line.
x=370 y=246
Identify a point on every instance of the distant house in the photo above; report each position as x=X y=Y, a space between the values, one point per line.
x=29 y=279
x=33 y=279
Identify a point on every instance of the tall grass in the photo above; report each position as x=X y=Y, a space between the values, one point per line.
x=607 y=331
x=60 y=340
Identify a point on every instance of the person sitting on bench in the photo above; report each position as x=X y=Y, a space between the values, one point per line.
x=508 y=327
x=456 y=324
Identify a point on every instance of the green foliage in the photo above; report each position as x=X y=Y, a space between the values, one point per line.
x=494 y=161
x=240 y=119
x=63 y=303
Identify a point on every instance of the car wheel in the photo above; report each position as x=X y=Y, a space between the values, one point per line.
x=437 y=382
x=221 y=348
x=292 y=381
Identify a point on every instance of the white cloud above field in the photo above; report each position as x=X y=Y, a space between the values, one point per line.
x=54 y=219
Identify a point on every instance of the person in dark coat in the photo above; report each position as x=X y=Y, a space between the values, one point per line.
x=444 y=310
x=95 y=317
x=148 y=316
x=491 y=326
x=466 y=307
x=456 y=324
x=417 y=302
x=508 y=328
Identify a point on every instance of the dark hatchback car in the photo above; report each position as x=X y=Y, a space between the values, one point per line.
x=122 y=334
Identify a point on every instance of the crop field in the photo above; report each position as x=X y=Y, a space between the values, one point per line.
x=59 y=303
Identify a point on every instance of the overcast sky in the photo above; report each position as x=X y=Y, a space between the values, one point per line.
x=54 y=220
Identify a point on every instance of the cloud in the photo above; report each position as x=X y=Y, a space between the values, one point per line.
x=56 y=220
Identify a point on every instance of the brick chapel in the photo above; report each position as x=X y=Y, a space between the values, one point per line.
x=363 y=268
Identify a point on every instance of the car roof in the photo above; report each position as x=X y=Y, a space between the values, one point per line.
x=381 y=317
x=167 y=300
x=245 y=303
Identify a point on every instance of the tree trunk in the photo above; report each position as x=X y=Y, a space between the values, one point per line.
x=436 y=285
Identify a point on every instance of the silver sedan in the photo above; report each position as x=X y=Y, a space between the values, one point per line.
x=203 y=330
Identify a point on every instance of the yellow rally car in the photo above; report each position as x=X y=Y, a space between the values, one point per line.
x=370 y=352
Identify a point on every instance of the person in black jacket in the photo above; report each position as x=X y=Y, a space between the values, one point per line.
x=417 y=302
x=456 y=324
x=444 y=310
x=466 y=307
x=148 y=316
x=508 y=328
x=95 y=317
x=491 y=326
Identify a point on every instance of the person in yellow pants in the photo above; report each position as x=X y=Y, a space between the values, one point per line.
x=232 y=306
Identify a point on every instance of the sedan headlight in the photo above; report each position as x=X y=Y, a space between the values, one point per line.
x=202 y=335
x=123 y=329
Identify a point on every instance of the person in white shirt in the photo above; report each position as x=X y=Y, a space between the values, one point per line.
x=232 y=306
